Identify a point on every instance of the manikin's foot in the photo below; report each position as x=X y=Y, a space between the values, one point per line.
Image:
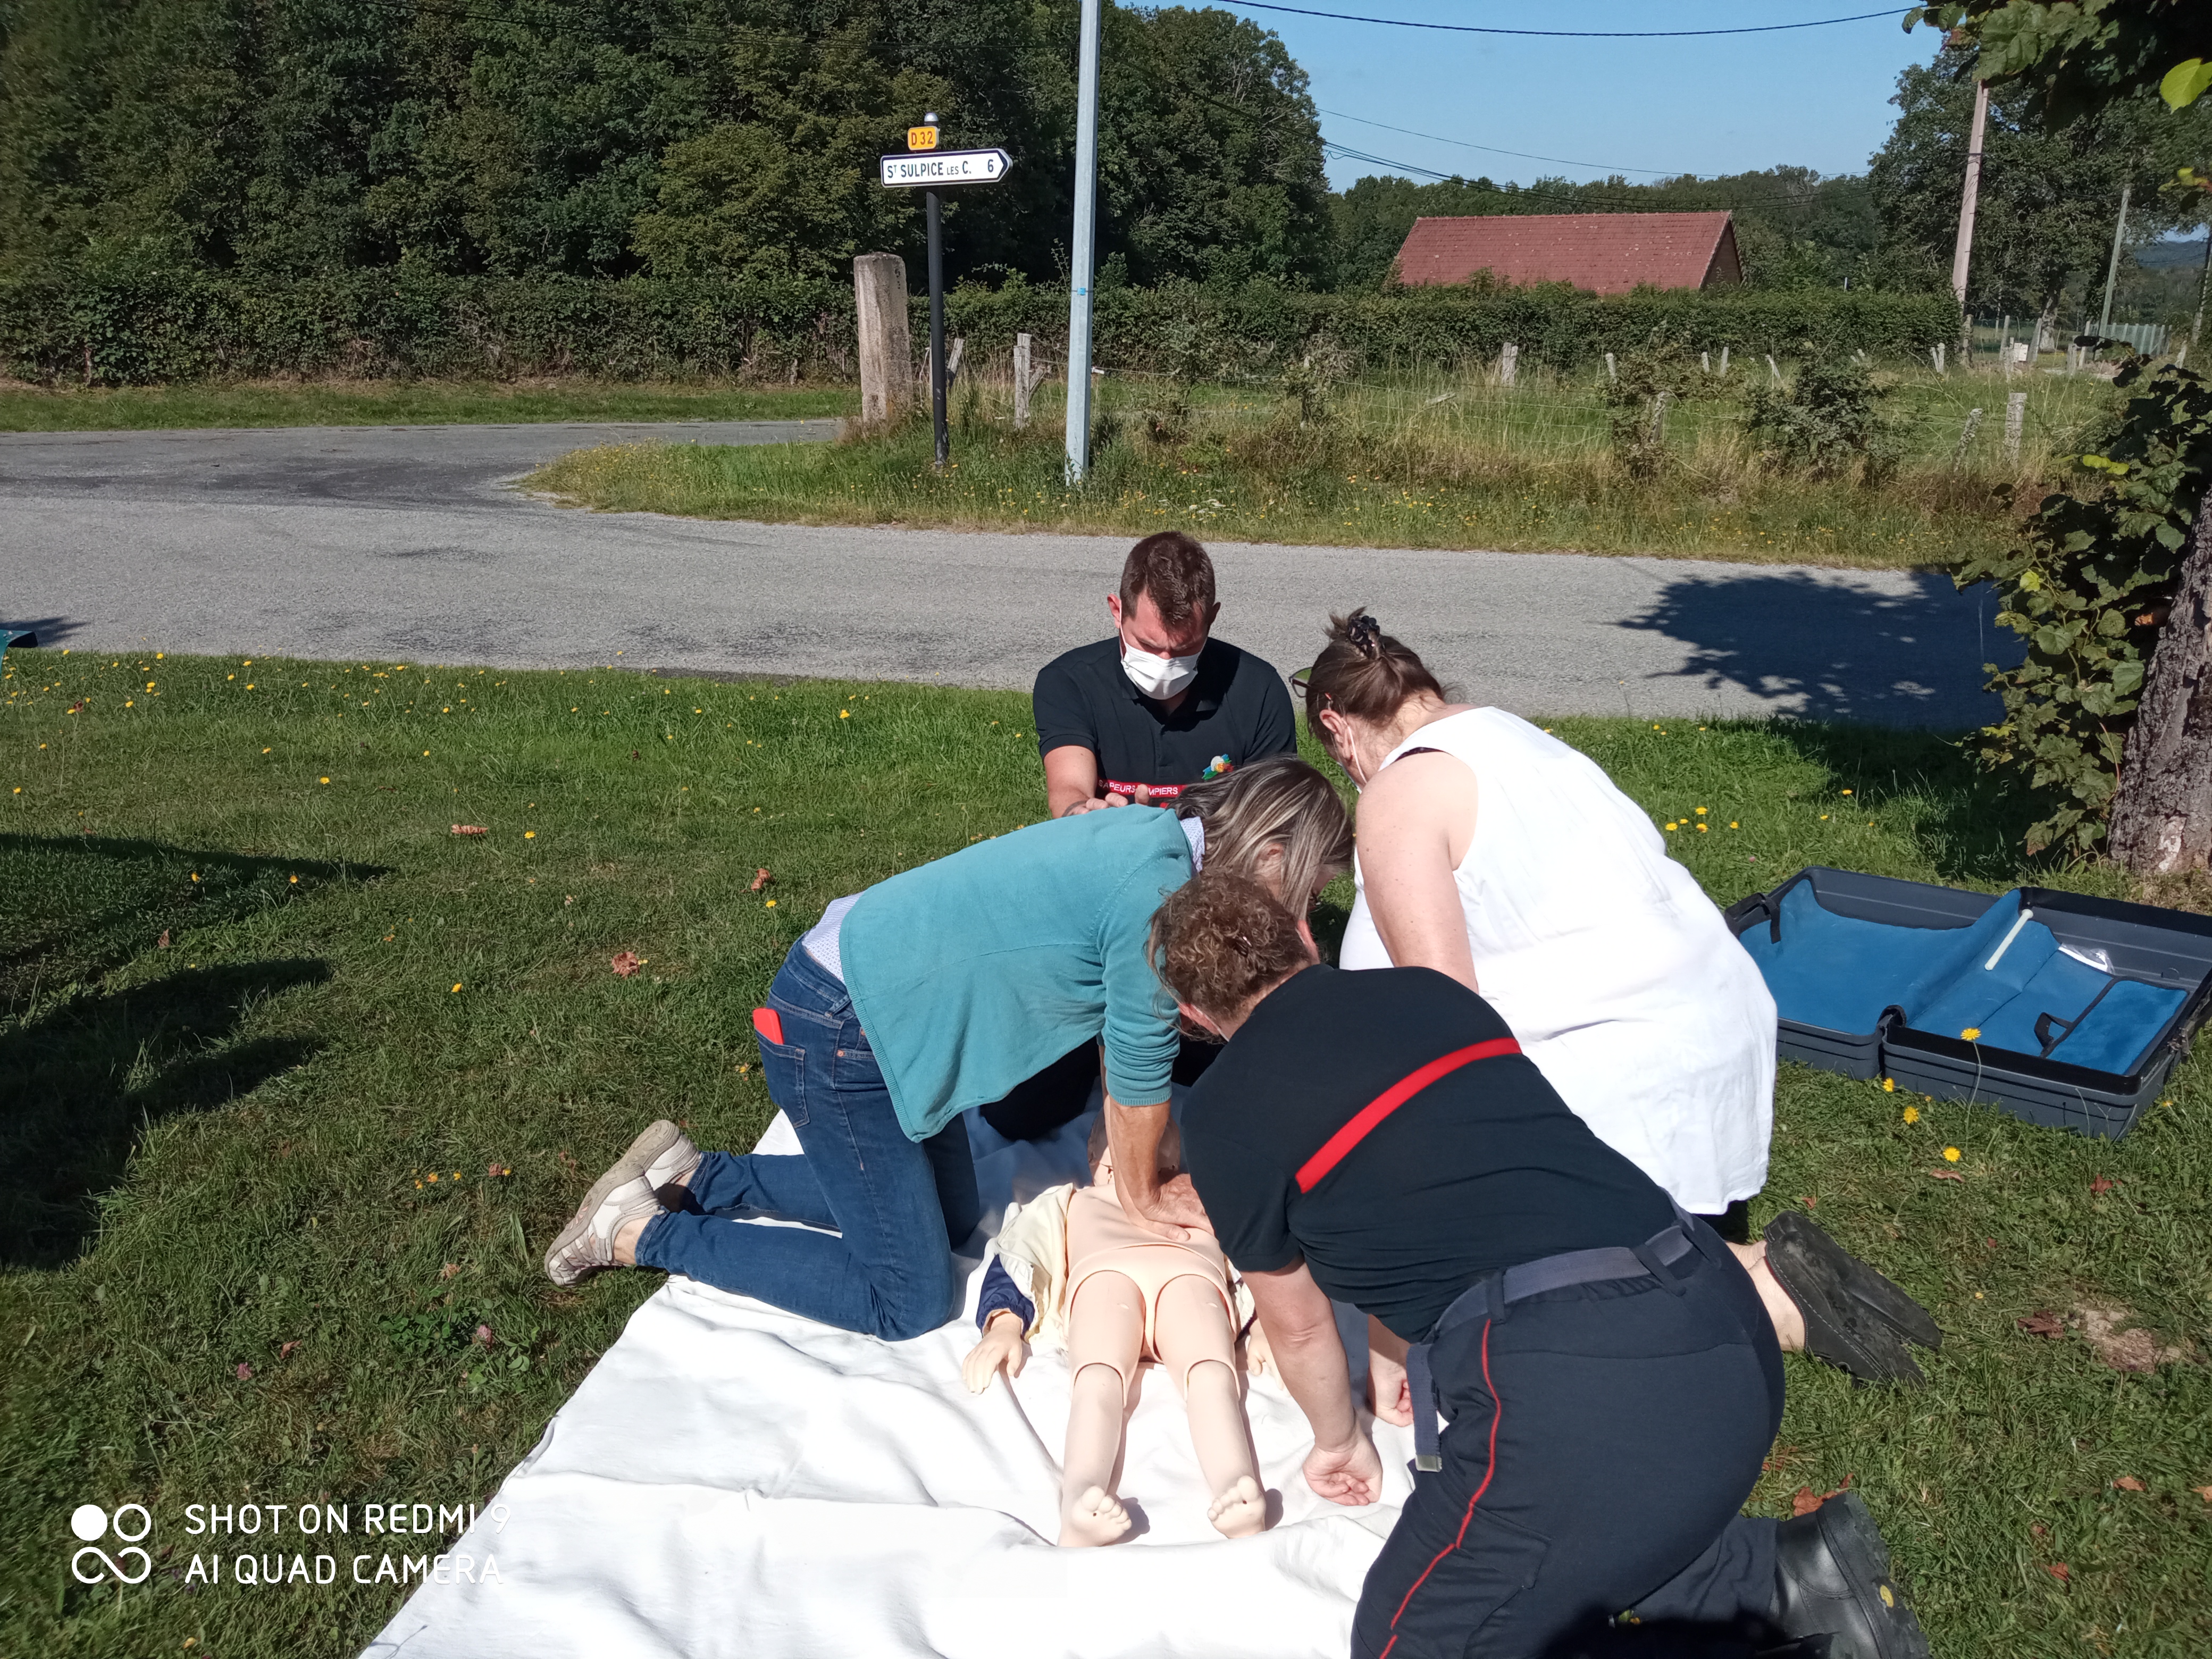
x=1096 y=1517
x=1240 y=1511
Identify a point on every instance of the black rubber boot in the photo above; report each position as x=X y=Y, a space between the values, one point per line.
x=1833 y=1578
x=1854 y=1317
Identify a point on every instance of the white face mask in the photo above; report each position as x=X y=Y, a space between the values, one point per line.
x=1158 y=677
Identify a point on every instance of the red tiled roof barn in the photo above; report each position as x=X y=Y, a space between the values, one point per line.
x=1605 y=252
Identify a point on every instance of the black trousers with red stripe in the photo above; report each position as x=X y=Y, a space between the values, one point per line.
x=1603 y=1439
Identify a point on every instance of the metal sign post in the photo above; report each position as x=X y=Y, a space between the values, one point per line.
x=1079 y=274
x=925 y=168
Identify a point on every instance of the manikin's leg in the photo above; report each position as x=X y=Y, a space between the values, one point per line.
x=1105 y=1330
x=1789 y=1321
x=1190 y=1328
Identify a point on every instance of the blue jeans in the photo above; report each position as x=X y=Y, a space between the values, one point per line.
x=899 y=1206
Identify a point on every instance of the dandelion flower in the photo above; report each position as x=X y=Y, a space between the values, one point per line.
x=1733 y=824
x=1889 y=1085
x=1703 y=826
x=529 y=834
x=322 y=780
x=456 y=988
x=1951 y=1154
x=771 y=904
x=296 y=881
x=1673 y=826
x=434 y=1176
x=846 y=713
x=1970 y=1033
x=1913 y=1115
x=1701 y=812
x=264 y=751
x=1847 y=792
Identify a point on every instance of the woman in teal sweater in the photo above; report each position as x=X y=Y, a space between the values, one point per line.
x=935 y=991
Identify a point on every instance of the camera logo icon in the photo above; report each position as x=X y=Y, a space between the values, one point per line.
x=91 y=1524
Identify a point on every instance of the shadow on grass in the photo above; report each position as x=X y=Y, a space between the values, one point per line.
x=87 y=1070
x=1838 y=648
x=1971 y=825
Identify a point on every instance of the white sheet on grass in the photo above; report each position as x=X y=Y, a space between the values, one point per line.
x=731 y=1479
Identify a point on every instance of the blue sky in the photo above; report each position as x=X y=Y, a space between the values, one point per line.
x=1817 y=98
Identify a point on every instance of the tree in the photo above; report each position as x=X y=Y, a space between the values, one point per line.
x=2049 y=195
x=2083 y=59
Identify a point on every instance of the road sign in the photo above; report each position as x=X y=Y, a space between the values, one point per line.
x=930 y=170
x=921 y=137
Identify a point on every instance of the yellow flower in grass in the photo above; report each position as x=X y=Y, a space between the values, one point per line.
x=1950 y=1154
x=1889 y=1085
x=456 y=988
x=1913 y=1115
x=1970 y=1033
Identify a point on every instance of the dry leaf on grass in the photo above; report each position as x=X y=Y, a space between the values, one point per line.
x=2102 y=1185
x=285 y=1351
x=472 y=829
x=2042 y=1324
x=484 y=1336
x=449 y=1270
x=2058 y=1569
x=1947 y=1175
x=162 y=943
x=2204 y=1492
x=2129 y=1483
x=624 y=962
x=762 y=878
x=1805 y=1500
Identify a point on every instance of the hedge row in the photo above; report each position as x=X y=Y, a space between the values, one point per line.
x=145 y=329
x=134 y=331
x=1208 y=333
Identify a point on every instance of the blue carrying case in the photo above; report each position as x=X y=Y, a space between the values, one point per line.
x=2080 y=1008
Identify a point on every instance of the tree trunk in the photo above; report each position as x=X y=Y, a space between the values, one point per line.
x=2163 y=816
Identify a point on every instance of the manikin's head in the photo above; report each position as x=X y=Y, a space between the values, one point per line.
x=1361 y=690
x=1221 y=943
x=1170 y=1159
x=1164 y=612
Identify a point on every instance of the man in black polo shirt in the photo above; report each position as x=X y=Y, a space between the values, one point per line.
x=1611 y=1377
x=1130 y=720
x=1161 y=704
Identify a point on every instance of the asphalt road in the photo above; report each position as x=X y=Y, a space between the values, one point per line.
x=410 y=543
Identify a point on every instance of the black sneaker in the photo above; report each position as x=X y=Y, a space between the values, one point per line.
x=1841 y=1327
x=1833 y=1578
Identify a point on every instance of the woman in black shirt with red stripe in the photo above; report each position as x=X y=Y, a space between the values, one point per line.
x=1610 y=1375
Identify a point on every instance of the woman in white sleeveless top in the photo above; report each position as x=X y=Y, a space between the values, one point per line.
x=1493 y=853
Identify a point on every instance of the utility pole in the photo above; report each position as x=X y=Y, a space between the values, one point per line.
x=1084 y=252
x=2203 y=282
x=1962 y=255
x=2112 y=271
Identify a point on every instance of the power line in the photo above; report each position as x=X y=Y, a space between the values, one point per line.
x=1492 y=149
x=1572 y=34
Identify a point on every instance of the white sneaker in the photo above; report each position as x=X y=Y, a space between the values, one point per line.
x=675 y=1164
x=622 y=1195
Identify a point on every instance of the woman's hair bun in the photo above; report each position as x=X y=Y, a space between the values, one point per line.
x=1364 y=634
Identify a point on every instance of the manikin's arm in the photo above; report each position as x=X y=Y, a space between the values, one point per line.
x=1001 y=1345
x=1416 y=820
x=1170 y=1208
x=1301 y=1330
x=1386 y=1373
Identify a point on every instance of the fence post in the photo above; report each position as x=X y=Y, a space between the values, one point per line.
x=1724 y=352
x=886 y=343
x=2015 y=418
x=1937 y=352
x=1509 y=359
x=1659 y=419
x=1773 y=368
x=1611 y=373
x=1705 y=361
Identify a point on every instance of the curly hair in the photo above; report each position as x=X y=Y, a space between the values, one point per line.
x=1222 y=939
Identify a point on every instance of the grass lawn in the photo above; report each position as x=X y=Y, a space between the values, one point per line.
x=404 y=403
x=258 y=994
x=1408 y=461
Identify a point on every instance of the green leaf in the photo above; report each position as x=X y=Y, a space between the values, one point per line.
x=2185 y=82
